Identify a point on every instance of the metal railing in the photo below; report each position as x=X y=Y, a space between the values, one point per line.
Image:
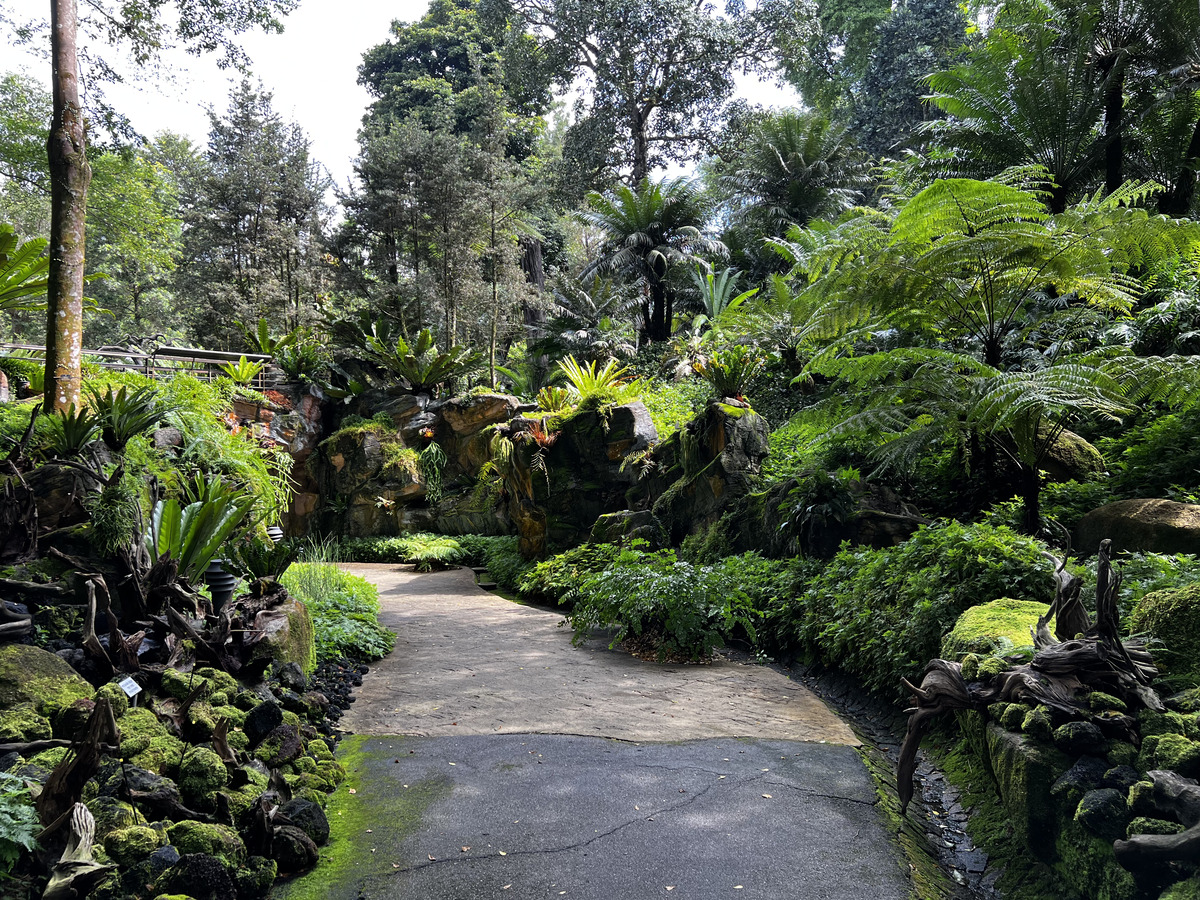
x=163 y=362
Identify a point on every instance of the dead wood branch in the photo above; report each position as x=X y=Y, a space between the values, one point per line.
x=65 y=784
x=76 y=872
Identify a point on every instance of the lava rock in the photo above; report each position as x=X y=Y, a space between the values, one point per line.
x=1120 y=777
x=309 y=818
x=291 y=676
x=293 y=850
x=199 y=876
x=1104 y=813
x=261 y=721
x=1080 y=738
x=1084 y=776
x=162 y=859
x=281 y=746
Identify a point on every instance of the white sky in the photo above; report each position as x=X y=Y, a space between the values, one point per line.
x=311 y=69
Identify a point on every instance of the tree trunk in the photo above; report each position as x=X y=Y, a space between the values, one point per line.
x=70 y=175
x=659 y=327
x=1177 y=201
x=641 y=147
x=1031 y=498
x=1114 y=152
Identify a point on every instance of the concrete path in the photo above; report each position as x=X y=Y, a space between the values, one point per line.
x=493 y=759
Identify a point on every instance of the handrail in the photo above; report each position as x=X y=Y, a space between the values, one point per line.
x=162 y=363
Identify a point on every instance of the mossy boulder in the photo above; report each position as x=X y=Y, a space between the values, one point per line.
x=1159 y=526
x=992 y=626
x=133 y=844
x=1151 y=722
x=112 y=815
x=1025 y=774
x=1039 y=724
x=22 y=722
x=1103 y=812
x=32 y=675
x=288 y=635
x=1079 y=738
x=202 y=876
x=1148 y=825
x=201 y=774
x=1173 y=617
x=219 y=841
x=116 y=697
x=1170 y=751
x=180 y=685
x=146 y=743
x=255 y=878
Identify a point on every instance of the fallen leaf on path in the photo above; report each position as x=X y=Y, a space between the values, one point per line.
x=766 y=796
x=465 y=849
x=454 y=764
x=395 y=865
x=353 y=791
x=719 y=777
x=502 y=853
x=506 y=887
x=737 y=887
x=670 y=887
x=432 y=858
x=368 y=831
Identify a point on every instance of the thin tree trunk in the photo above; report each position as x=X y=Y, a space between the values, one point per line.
x=1178 y=200
x=1114 y=151
x=70 y=176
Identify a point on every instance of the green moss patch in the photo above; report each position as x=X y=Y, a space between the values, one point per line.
x=363 y=802
x=999 y=625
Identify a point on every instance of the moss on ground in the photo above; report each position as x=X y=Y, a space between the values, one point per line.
x=357 y=805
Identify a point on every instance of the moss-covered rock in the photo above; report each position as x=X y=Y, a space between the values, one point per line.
x=1080 y=738
x=1173 y=617
x=1103 y=812
x=1013 y=716
x=116 y=696
x=990 y=667
x=1039 y=725
x=255 y=878
x=112 y=815
x=1151 y=722
x=1170 y=751
x=23 y=723
x=1098 y=701
x=993 y=626
x=48 y=759
x=201 y=774
x=32 y=675
x=288 y=636
x=181 y=684
x=319 y=750
x=1025 y=773
x=133 y=844
x=146 y=743
x=220 y=841
x=1148 y=825
x=221 y=681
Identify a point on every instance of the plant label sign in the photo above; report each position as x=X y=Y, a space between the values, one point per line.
x=130 y=687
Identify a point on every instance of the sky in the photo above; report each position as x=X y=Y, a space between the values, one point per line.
x=311 y=70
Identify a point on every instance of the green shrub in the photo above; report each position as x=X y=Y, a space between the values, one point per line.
x=18 y=821
x=344 y=610
x=557 y=576
x=677 y=609
x=427 y=551
x=672 y=404
x=881 y=614
x=504 y=562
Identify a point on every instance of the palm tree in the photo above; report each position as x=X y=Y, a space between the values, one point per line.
x=645 y=233
x=796 y=167
x=1026 y=96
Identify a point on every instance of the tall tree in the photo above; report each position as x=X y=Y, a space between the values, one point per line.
x=142 y=28
x=254 y=232
x=134 y=237
x=645 y=234
x=25 y=108
x=656 y=73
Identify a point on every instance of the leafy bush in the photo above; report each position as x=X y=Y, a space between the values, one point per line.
x=18 y=821
x=427 y=551
x=817 y=510
x=557 y=576
x=193 y=533
x=677 y=609
x=504 y=562
x=881 y=614
x=344 y=610
x=672 y=404
x=594 y=387
x=1159 y=459
x=257 y=558
x=729 y=371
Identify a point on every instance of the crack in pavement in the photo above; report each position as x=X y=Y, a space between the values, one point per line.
x=565 y=849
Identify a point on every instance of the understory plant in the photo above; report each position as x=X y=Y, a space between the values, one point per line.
x=657 y=603
x=881 y=614
x=344 y=610
x=558 y=576
x=18 y=821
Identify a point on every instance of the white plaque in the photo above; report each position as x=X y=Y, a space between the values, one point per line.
x=130 y=687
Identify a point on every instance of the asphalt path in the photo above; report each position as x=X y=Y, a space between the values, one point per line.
x=493 y=759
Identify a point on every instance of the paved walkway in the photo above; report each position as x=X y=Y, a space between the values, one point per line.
x=496 y=760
